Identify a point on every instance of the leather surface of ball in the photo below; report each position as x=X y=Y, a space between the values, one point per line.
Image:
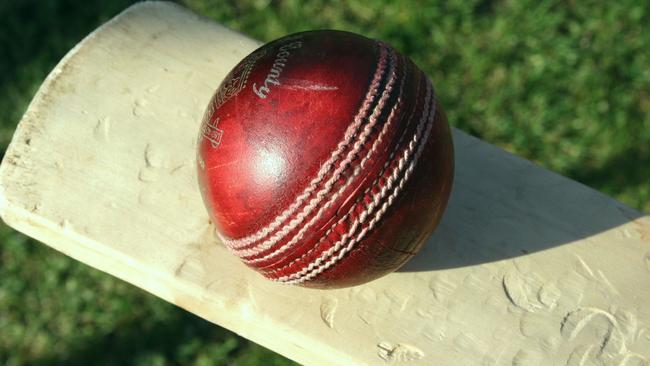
x=325 y=160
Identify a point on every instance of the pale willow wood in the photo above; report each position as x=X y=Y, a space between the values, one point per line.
x=526 y=268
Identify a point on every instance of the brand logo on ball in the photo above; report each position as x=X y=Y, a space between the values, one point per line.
x=235 y=82
x=273 y=77
x=211 y=132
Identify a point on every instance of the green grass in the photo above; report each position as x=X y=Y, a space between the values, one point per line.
x=565 y=84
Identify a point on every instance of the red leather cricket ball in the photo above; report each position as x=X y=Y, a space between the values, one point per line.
x=325 y=159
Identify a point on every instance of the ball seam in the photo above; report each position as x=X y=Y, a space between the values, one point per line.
x=410 y=158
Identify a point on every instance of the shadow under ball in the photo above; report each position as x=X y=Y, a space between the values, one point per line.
x=325 y=160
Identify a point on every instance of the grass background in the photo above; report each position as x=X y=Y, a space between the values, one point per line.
x=563 y=83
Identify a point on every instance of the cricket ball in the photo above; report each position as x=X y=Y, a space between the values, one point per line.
x=325 y=159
